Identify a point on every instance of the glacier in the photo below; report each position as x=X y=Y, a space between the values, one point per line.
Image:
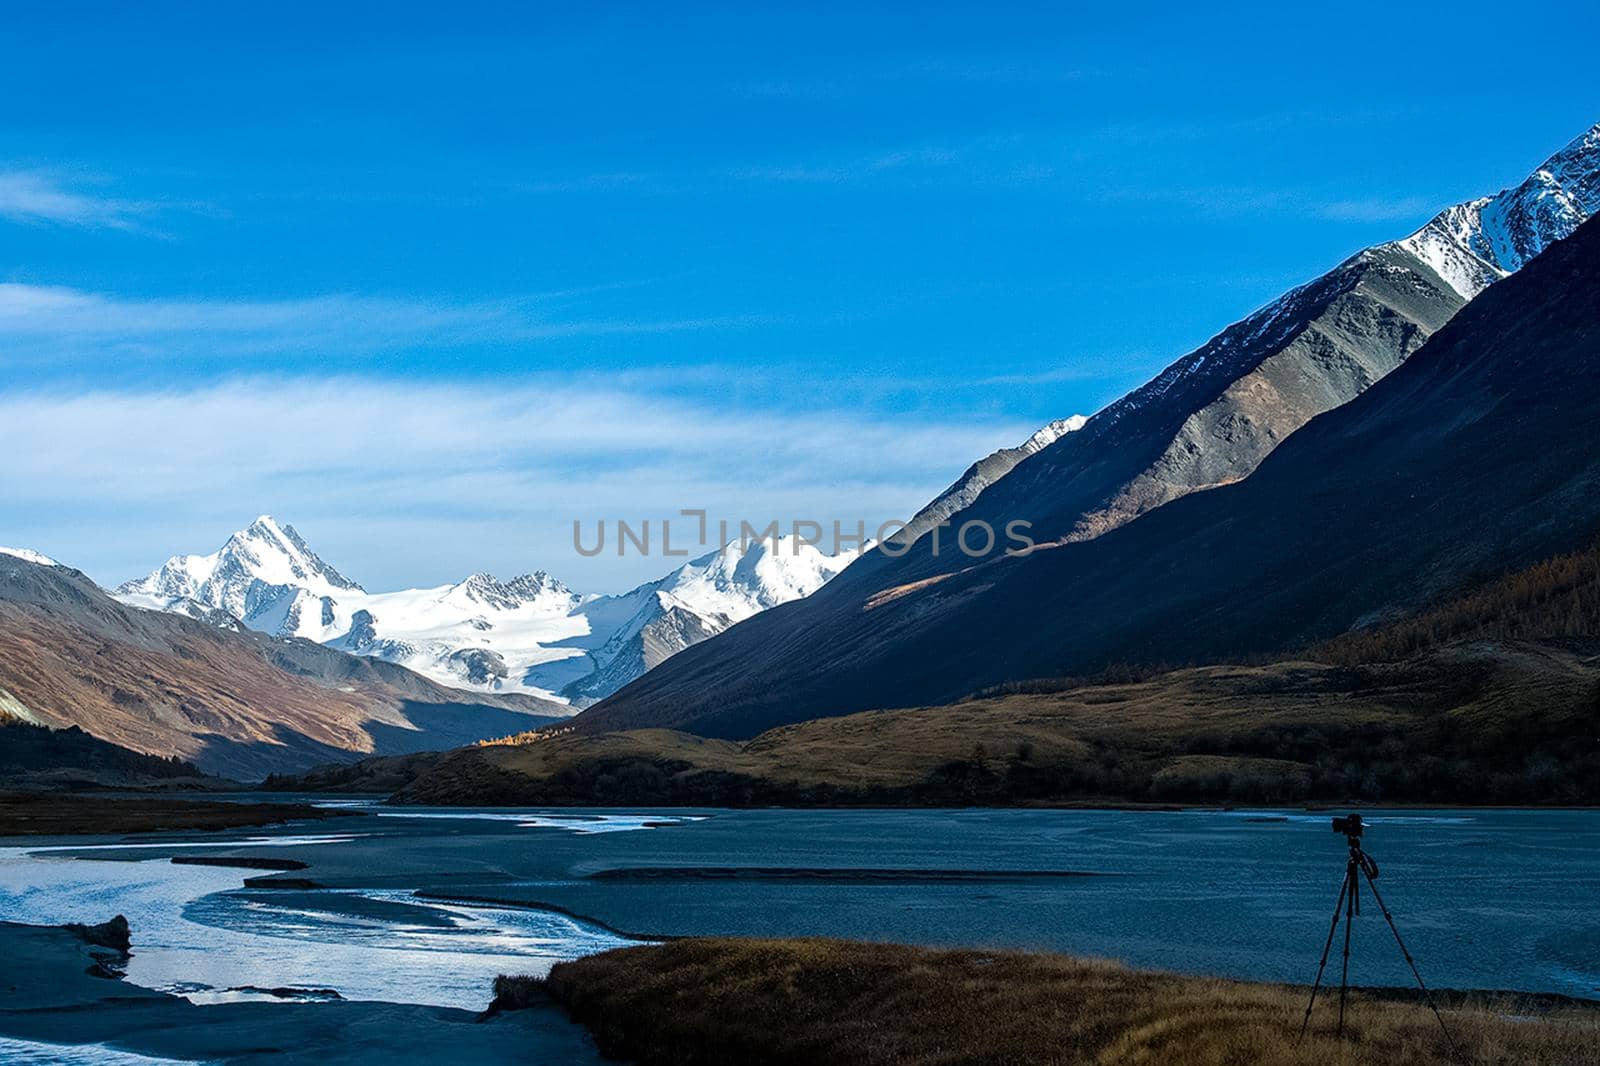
x=529 y=634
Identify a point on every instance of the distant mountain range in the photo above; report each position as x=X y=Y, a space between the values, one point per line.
x=530 y=634
x=230 y=700
x=1125 y=574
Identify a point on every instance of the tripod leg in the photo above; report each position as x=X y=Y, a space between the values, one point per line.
x=1395 y=929
x=1349 y=921
x=1333 y=927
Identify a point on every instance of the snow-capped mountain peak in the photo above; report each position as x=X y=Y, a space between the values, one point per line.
x=260 y=568
x=1474 y=244
x=490 y=591
x=282 y=554
x=738 y=581
x=633 y=632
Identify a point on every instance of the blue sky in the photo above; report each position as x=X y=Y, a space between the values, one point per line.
x=432 y=281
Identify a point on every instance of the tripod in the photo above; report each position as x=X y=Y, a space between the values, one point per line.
x=1348 y=906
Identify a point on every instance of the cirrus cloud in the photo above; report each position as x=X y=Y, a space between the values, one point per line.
x=407 y=482
x=44 y=323
x=36 y=197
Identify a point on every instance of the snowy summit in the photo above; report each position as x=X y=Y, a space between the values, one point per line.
x=529 y=633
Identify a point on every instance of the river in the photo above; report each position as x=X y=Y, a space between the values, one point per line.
x=392 y=903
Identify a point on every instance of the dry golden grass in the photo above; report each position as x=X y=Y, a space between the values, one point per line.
x=1558 y=598
x=898 y=749
x=1483 y=722
x=711 y=1002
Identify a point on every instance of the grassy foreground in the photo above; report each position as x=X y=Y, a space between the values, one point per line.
x=723 y=1001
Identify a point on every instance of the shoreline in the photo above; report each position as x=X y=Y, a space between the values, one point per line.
x=25 y=817
x=60 y=989
x=655 y=1001
x=1386 y=992
x=1132 y=806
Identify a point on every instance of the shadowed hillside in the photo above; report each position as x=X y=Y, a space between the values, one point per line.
x=1557 y=599
x=1475 y=458
x=1491 y=698
x=1469 y=722
x=33 y=756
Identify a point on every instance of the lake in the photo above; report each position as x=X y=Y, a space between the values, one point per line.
x=427 y=905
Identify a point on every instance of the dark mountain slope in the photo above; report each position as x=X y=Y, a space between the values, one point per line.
x=232 y=701
x=982 y=474
x=1468 y=722
x=34 y=757
x=1478 y=456
x=1211 y=417
x=1208 y=420
x=1555 y=600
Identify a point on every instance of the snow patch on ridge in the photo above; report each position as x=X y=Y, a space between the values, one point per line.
x=1053 y=432
x=28 y=555
x=1474 y=244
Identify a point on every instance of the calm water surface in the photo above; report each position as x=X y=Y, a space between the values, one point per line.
x=1488 y=899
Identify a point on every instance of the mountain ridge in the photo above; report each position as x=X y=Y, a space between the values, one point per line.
x=983 y=473
x=1209 y=440
x=528 y=634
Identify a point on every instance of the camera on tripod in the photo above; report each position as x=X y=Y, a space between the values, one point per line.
x=1350 y=825
x=1360 y=865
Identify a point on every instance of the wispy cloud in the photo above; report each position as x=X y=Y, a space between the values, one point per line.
x=871 y=80
x=47 y=322
x=852 y=169
x=1116 y=367
x=1225 y=201
x=37 y=197
x=604 y=182
x=1377 y=209
x=114 y=480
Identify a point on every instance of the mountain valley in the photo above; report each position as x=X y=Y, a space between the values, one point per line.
x=1452 y=446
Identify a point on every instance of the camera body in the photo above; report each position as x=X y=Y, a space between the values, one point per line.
x=1350 y=825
